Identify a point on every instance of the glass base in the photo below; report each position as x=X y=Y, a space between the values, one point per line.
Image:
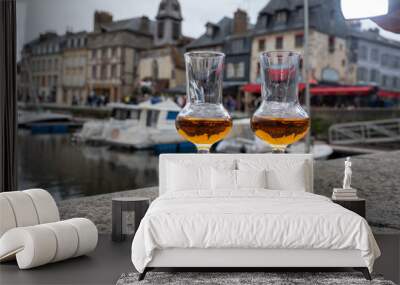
x=278 y=148
x=203 y=148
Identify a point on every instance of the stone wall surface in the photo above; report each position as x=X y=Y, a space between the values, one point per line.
x=377 y=178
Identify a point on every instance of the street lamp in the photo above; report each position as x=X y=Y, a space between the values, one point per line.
x=361 y=9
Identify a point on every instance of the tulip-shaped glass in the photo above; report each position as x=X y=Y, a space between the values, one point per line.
x=204 y=120
x=280 y=120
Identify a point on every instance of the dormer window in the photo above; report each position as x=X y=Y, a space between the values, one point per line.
x=162 y=6
x=175 y=7
x=281 y=17
x=210 y=30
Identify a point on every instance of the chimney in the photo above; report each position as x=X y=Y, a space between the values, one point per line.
x=100 y=18
x=144 y=24
x=239 y=22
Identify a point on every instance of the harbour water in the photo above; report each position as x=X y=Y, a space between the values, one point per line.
x=54 y=163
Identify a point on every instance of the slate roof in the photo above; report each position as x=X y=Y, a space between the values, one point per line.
x=373 y=37
x=224 y=29
x=132 y=24
x=325 y=16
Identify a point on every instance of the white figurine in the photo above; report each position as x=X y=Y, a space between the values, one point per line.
x=347 y=174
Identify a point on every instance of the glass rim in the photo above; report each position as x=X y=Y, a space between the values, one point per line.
x=204 y=54
x=283 y=53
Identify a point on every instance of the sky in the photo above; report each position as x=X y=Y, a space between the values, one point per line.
x=36 y=16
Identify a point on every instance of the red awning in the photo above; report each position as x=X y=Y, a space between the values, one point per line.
x=389 y=94
x=324 y=90
x=341 y=90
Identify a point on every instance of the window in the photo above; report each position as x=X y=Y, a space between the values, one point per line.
x=298 y=40
x=230 y=70
x=384 y=81
x=176 y=30
x=261 y=45
x=363 y=52
x=374 y=76
x=103 y=71
x=362 y=74
x=94 y=72
x=374 y=55
x=237 y=45
x=152 y=118
x=385 y=60
x=210 y=31
x=395 y=82
x=155 y=70
x=281 y=17
x=114 y=52
x=160 y=29
x=343 y=62
x=331 y=44
x=104 y=52
x=279 y=43
x=114 y=71
x=240 y=70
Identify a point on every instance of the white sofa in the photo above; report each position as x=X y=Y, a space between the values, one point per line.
x=31 y=231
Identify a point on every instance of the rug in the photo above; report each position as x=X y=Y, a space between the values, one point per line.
x=244 y=278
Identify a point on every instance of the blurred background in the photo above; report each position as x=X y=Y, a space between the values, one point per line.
x=100 y=83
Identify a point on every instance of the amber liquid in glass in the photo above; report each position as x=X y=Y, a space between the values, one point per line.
x=280 y=131
x=203 y=131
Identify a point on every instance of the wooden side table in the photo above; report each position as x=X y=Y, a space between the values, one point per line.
x=123 y=208
x=356 y=205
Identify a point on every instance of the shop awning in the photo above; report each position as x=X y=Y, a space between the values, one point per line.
x=389 y=94
x=321 y=90
x=341 y=90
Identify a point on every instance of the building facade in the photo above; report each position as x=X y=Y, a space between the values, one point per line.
x=280 y=26
x=41 y=68
x=74 y=71
x=375 y=60
x=113 y=50
x=232 y=37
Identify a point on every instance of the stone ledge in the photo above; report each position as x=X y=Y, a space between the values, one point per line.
x=376 y=177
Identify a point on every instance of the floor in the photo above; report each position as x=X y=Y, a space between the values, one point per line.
x=104 y=266
x=110 y=260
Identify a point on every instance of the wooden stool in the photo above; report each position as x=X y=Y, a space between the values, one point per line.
x=120 y=209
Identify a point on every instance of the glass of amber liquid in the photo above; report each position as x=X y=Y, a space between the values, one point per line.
x=204 y=120
x=280 y=120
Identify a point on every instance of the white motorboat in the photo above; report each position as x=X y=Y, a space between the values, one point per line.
x=121 y=115
x=26 y=118
x=155 y=126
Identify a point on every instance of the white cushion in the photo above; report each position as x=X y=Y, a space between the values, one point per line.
x=223 y=179
x=251 y=178
x=282 y=174
x=23 y=208
x=45 y=205
x=186 y=175
x=40 y=244
x=7 y=218
x=227 y=180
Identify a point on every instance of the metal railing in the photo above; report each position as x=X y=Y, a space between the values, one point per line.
x=365 y=132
